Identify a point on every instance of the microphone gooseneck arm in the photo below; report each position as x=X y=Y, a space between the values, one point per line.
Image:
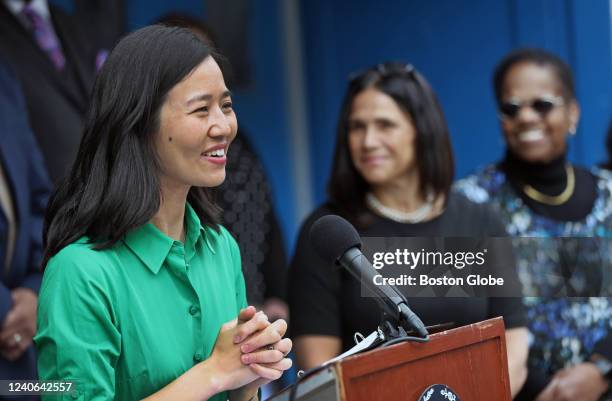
x=392 y=302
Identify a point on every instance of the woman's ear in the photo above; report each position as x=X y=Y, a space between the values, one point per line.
x=574 y=116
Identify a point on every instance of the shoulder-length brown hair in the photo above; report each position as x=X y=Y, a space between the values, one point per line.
x=413 y=94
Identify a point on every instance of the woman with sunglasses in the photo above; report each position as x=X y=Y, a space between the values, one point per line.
x=391 y=177
x=538 y=192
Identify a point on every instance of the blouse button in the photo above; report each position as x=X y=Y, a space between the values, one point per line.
x=197 y=357
x=193 y=310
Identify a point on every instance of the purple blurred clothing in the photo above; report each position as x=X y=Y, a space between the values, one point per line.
x=45 y=36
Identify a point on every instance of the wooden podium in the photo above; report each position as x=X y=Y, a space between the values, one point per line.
x=470 y=360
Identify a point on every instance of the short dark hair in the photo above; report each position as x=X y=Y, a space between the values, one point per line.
x=113 y=185
x=539 y=57
x=413 y=94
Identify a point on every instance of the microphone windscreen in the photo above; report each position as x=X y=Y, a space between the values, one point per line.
x=331 y=236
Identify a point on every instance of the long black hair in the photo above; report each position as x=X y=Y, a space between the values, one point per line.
x=413 y=94
x=113 y=186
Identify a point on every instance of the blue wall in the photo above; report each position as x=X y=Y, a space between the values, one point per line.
x=456 y=45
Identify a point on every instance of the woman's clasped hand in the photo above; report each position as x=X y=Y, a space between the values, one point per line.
x=250 y=352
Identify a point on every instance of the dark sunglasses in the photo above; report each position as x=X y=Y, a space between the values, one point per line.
x=385 y=70
x=542 y=106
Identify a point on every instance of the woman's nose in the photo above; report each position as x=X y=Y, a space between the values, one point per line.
x=220 y=124
x=370 y=139
x=527 y=114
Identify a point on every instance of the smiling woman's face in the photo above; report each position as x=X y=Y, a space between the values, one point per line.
x=197 y=125
x=381 y=139
x=533 y=136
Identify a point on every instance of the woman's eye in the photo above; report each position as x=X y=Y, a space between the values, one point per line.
x=385 y=124
x=354 y=127
x=227 y=106
x=203 y=109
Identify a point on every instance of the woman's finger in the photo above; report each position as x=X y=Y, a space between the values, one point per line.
x=281 y=325
x=284 y=364
x=285 y=345
x=270 y=373
x=267 y=356
x=265 y=373
x=271 y=335
x=246 y=314
x=258 y=322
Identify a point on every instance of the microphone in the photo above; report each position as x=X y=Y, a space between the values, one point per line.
x=337 y=241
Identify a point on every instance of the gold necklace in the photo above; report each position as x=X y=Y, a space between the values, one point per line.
x=557 y=199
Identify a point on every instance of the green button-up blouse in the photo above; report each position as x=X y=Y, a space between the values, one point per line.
x=126 y=321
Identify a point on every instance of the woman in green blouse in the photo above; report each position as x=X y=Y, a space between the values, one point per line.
x=143 y=294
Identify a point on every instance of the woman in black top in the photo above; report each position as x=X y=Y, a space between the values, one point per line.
x=393 y=168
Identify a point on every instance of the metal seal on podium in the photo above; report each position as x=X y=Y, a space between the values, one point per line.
x=439 y=392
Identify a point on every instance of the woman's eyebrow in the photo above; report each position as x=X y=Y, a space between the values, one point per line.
x=199 y=98
x=207 y=97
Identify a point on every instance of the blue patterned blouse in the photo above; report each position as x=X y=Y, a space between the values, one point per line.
x=565 y=322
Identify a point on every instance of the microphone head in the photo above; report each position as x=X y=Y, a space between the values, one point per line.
x=331 y=236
